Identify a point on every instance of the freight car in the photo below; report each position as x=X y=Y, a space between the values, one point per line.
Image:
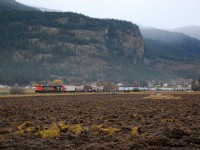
x=49 y=89
x=70 y=88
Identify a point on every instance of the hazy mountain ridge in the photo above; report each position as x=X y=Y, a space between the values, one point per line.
x=8 y=5
x=47 y=9
x=176 y=45
x=164 y=35
x=177 y=53
x=193 y=31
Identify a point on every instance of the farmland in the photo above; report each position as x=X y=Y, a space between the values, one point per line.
x=100 y=121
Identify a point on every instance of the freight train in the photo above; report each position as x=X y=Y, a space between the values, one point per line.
x=58 y=88
x=86 y=88
x=54 y=89
x=49 y=89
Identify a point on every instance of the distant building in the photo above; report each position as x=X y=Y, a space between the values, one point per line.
x=110 y=88
x=120 y=84
x=165 y=85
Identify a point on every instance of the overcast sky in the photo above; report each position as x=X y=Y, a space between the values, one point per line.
x=165 y=14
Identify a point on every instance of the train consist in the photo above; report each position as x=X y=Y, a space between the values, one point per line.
x=49 y=89
x=58 y=88
x=89 y=88
x=70 y=88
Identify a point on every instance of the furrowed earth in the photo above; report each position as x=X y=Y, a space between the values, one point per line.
x=100 y=121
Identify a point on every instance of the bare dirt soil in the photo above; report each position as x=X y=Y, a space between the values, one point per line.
x=100 y=121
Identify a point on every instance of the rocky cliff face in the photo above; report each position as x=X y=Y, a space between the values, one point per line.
x=119 y=37
x=133 y=45
x=127 y=39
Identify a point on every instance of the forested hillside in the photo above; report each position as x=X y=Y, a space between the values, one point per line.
x=175 y=52
x=38 y=46
x=170 y=45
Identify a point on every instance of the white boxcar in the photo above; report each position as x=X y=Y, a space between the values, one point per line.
x=70 y=88
x=128 y=88
x=80 y=88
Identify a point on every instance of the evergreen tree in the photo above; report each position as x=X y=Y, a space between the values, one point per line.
x=196 y=85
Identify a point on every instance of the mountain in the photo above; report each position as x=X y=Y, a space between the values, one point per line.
x=193 y=31
x=39 y=46
x=177 y=53
x=44 y=45
x=8 y=5
x=163 y=35
x=170 y=45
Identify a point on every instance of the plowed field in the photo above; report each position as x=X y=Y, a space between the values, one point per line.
x=104 y=121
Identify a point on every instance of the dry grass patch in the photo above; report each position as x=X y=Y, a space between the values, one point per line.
x=162 y=97
x=77 y=129
x=109 y=130
x=100 y=129
x=50 y=132
x=27 y=128
x=56 y=129
x=136 y=131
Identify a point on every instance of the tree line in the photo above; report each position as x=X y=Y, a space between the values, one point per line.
x=196 y=85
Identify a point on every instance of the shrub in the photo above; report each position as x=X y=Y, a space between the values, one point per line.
x=136 y=90
x=16 y=90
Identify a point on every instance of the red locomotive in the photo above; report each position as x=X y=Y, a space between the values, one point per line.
x=49 y=89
